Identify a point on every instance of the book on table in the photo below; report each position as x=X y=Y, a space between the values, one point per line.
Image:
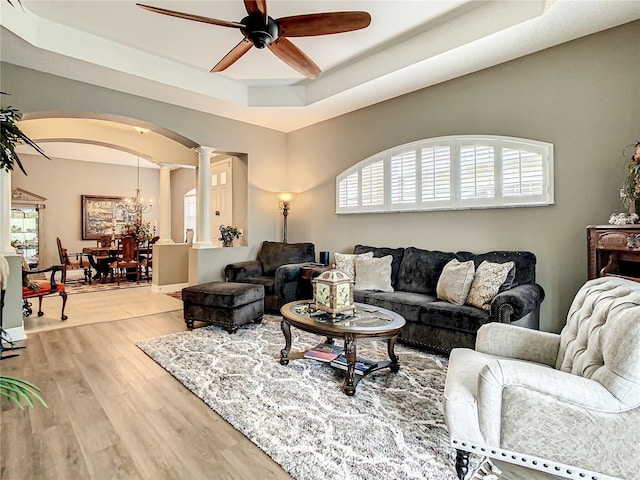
x=361 y=366
x=324 y=352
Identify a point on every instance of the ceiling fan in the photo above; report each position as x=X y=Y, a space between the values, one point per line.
x=260 y=30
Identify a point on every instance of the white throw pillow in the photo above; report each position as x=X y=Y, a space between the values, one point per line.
x=373 y=274
x=344 y=262
x=455 y=281
x=489 y=277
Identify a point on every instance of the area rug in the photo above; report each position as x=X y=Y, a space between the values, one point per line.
x=177 y=295
x=393 y=428
x=96 y=286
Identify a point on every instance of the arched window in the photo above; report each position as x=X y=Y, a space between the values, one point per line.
x=450 y=173
x=190 y=210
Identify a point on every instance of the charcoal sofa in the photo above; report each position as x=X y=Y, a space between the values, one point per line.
x=438 y=325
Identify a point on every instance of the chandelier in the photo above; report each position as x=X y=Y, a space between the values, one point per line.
x=138 y=205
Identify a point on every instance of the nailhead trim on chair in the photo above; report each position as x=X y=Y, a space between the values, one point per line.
x=535 y=463
x=428 y=346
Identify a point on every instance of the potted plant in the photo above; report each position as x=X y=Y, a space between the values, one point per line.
x=10 y=136
x=141 y=229
x=228 y=234
x=631 y=186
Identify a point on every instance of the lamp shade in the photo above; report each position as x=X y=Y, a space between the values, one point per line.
x=285 y=196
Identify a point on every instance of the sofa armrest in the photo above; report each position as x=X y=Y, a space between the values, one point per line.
x=515 y=303
x=290 y=272
x=519 y=343
x=236 y=272
x=286 y=282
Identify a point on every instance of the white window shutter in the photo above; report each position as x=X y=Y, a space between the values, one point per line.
x=436 y=173
x=455 y=172
x=373 y=184
x=522 y=173
x=476 y=172
x=348 y=192
x=403 y=178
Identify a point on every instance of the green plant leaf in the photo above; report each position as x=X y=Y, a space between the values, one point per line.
x=10 y=136
x=19 y=391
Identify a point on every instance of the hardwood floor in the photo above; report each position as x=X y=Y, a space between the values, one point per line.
x=114 y=413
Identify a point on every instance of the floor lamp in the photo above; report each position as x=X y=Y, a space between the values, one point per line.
x=283 y=206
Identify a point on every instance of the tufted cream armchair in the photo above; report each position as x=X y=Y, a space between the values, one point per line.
x=568 y=404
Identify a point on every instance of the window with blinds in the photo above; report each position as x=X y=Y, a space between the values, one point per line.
x=457 y=172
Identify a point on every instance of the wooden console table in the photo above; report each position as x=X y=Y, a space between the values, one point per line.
x=614 y=250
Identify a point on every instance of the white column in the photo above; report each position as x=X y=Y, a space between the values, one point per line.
x=165 y=206
x=203 y=197
x=5 y=213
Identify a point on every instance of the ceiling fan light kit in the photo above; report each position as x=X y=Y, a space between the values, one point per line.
x=261 y=30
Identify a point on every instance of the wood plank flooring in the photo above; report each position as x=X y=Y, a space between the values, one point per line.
x=115 y=414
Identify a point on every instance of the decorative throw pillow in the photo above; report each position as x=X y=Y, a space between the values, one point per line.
x=455 y=281
x=344 y=262
x=489 y=277
x=508 y=283
x=373 y=274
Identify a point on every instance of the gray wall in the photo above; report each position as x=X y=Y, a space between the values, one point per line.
x=33 y=91
x=584 y=97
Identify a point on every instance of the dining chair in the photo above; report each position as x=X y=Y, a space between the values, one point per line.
x=73 y=261
x=147 y=261
x=104 y=241
x=35 y=287
x=127 y=258
x=102 y=259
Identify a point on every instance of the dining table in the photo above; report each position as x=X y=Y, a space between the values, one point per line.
x=101 y=257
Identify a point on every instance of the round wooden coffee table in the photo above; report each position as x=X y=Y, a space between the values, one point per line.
x=367 y=323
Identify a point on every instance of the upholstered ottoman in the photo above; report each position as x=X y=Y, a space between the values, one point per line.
x=226 y=304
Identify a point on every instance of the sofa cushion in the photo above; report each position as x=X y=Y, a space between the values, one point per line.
x=407 y=304
x=274 y=254
x=396 y=253
x=267 y=282
x=455 y=281
x=420 y=270
x=525 y=263
x=373 y=273
x=345 y=262
x=464 y=318
x=487 y=282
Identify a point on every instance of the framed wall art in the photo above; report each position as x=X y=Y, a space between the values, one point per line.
x=103 y=215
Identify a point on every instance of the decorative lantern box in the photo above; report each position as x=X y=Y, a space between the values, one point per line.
x=333 y=292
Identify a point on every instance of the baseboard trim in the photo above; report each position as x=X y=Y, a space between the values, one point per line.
x=16 y=333
x=176 y=287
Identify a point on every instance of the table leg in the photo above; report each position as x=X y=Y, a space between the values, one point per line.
x=394 y=366
x=286 y=330
x=350 y=353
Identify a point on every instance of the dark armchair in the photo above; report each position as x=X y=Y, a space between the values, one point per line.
x=277 y=268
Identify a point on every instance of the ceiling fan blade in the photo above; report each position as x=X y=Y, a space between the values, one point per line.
x=294 y=57
x=188 y=16
x=256 y=6
x=230 y=58
x=323 y=23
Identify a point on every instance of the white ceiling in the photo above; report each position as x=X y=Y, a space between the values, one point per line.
x=408 y=46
